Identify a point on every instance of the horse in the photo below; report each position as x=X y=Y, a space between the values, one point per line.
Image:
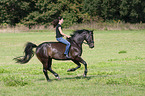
x=47 y=51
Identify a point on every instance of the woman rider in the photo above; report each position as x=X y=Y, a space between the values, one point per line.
x=59 y=35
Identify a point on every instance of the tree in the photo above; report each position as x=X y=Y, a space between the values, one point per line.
x=47 y=11
x=127 y=10
x=107 y=9
x=36 y=12
x=12 y=11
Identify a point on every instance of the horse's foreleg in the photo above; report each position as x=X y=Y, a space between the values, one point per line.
x=86 y=70
x=79 y=59
x=73 y=69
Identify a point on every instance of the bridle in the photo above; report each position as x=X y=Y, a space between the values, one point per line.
x=90 y=34
x=89 y=38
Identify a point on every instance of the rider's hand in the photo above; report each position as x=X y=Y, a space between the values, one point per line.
x=68 y=36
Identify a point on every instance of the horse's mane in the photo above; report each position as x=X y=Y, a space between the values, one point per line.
x=78 y=32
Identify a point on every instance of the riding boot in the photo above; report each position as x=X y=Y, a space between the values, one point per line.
x=68 y=57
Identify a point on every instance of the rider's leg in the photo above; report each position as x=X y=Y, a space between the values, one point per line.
x=62 y=40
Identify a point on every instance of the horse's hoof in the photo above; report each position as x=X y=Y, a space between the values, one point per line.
x=68 y=70
x=85 y=75
x=58 y=78
x=49 y=80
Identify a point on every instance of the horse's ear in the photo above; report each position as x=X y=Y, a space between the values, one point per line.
x=91 y=31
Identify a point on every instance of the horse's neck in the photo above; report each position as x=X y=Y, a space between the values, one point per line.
x=78 y=41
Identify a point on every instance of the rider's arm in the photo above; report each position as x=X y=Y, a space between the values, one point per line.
x=63 y=33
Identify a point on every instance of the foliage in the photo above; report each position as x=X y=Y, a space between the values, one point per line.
x=132 y=11
x=13 y=11
x=43 y=12
x=47 y=11
x=126 y=10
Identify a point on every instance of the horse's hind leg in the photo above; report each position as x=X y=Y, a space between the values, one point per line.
x=45 y=66
x=50 y=69
x=73 y=69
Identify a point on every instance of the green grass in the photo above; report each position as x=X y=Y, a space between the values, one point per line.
x=116 y=66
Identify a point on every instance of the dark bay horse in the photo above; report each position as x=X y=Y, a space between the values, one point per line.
x=47 y=51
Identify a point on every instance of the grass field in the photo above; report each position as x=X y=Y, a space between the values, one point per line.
x=116 y=66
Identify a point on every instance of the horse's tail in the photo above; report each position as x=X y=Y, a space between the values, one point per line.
x=29 y=53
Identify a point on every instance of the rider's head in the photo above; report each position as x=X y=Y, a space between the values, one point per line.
x=59 y=20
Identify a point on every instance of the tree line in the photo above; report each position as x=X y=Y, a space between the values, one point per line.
x=43 y=12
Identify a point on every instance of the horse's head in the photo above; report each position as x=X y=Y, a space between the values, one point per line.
x=89 y=38
x=80 y=35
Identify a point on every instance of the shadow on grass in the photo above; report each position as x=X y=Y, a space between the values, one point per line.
x=74 y=78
